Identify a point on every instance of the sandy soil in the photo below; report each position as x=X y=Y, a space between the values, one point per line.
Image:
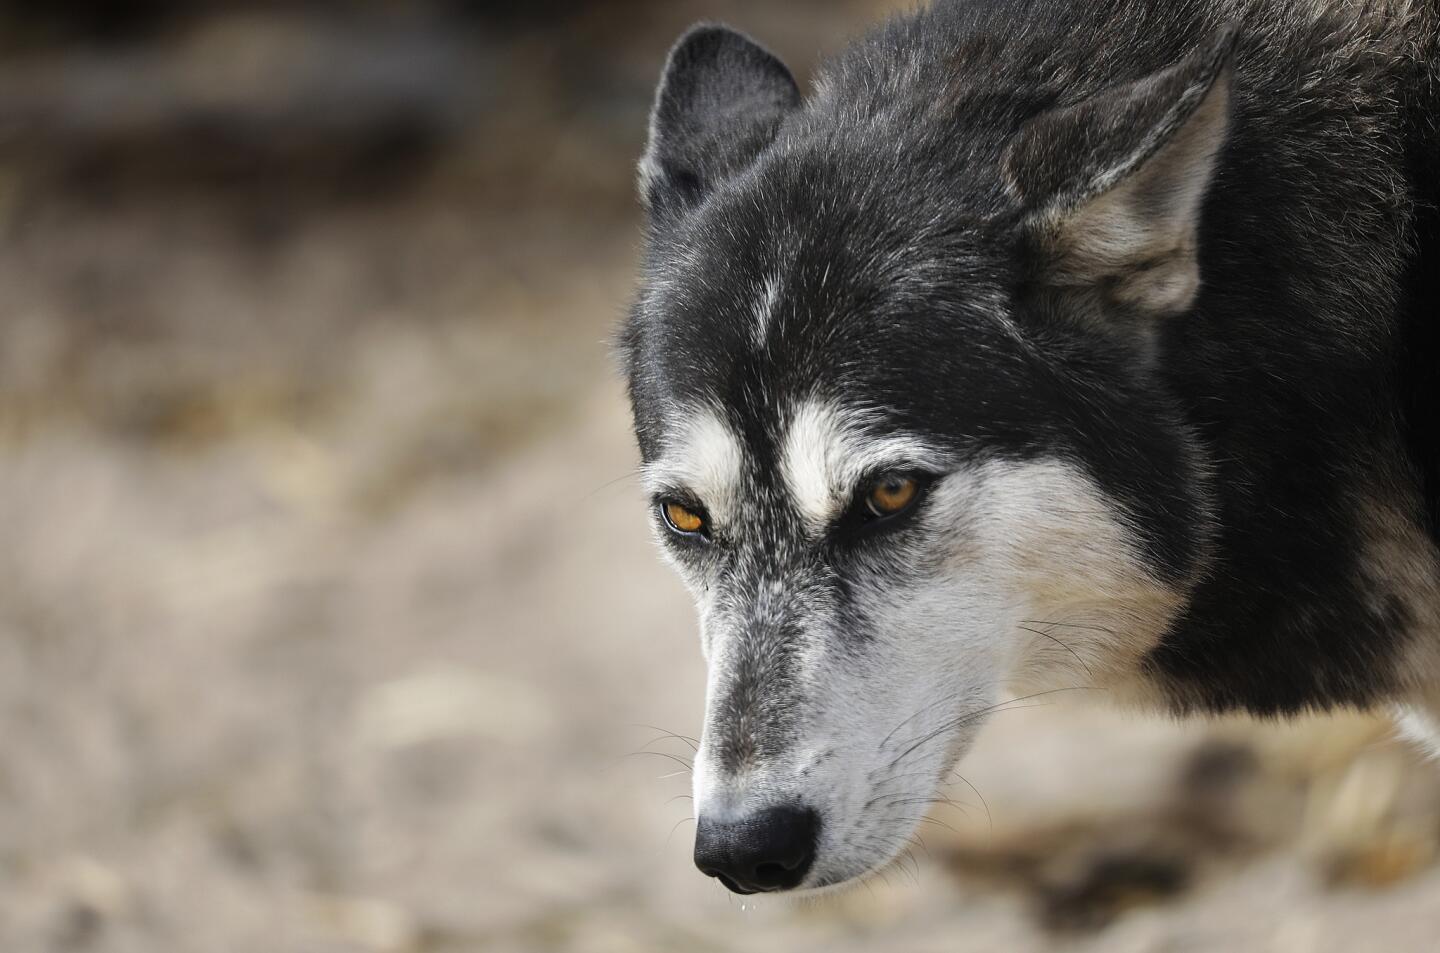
x=329 y=621
x=296 y=661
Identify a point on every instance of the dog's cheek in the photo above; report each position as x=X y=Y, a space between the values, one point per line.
x=1076 y=602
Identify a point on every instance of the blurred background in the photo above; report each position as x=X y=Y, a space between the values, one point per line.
x=329 y=619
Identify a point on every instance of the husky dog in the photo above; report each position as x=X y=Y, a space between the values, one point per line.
x=1041 y=345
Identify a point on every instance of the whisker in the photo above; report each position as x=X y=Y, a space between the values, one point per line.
x=910 y=856
x=675 y=828
x=927 y=819
x=653 y=741
x=961 y=720
x=943 y=700
x=609 y=483
x=1075 y=655
x=988 y=817
x=1071 y=625
x=664 y=754
x=692 y=742
x=908 y=774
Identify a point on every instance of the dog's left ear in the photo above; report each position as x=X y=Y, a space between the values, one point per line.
x=1113 y=185
x=721 y=100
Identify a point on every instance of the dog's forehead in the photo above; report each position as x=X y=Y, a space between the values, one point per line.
x=797 y=330
x=810 y=266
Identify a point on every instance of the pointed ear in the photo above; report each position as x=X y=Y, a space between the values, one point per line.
x=1114 y=185
x=720 y=101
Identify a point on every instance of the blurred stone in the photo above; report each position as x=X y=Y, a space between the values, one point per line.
x=373 y=924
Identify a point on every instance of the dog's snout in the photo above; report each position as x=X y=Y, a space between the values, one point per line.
x=770 y=849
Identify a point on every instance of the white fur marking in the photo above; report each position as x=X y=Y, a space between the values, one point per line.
x=703 y=456
x=827 y=451
x=765 y=308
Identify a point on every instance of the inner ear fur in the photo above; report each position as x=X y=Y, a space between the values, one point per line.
x=1114 y=185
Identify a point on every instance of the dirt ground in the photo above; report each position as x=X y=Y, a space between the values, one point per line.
x=329 y=617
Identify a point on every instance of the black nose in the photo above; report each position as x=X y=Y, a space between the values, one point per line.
x=768 y=850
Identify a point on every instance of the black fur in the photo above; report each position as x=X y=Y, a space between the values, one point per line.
x=898 y=202
x=719 y=103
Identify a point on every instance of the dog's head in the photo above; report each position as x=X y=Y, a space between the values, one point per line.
x=889 y=366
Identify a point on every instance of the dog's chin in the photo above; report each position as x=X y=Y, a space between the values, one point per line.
x=825 y=886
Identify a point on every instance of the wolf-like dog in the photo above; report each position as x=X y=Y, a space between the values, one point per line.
x=1041 y=345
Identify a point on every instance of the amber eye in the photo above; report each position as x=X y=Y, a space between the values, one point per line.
x=891 y=494
x=681 y=519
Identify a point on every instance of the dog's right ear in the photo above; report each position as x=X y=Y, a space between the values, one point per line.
x=720 y=102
